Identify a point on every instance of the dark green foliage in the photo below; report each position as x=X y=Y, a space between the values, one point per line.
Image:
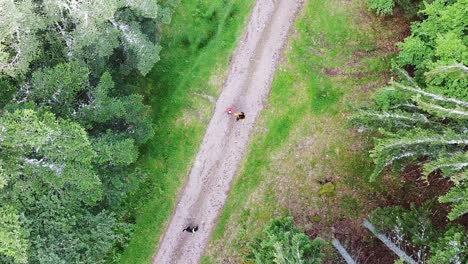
x=450 y=247
x=412 y=229
x=425 y=119
x=65 y=232
x=117 y=183
x=7 y=90
x=283 y=243
x=58 y=87
x=416 y=123
x=427 y=116
x=124 y=115
x=40 y=153
x=412 y=226
x=382 y=7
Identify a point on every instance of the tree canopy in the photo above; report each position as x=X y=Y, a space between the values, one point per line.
x=71 y=124
x=283 y=243
x=421 y=120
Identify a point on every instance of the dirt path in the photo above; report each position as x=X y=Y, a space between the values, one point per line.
x=247 y=86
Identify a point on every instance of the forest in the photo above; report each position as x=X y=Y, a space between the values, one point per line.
x=72 y=124
x=89 y=95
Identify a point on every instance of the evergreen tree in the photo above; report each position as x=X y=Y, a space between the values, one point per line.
x=283 y=243
x=418 y=123
x=450 y=247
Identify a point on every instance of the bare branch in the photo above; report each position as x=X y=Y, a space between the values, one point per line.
x=343 y=251
x=388 y=243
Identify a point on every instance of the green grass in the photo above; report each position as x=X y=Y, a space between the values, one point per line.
x=314 y=91
x=197 y=46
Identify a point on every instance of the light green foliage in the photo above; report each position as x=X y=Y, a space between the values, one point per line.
x=283 y=243
x=58 y=87
x=448 y=80
x=102 y=26
x=19 y=44
x=112 y=149
x=386 y=7
x=146 y=52
x=328 y=189
x=50 y=178
x=458 y=196
x=145 y=8
x=3 y=178
x=382 y=7
x=13 y=237
x=38 y=150
x=413 y=143
x=450 y=165
x=438 y=39
x=416 y=52
x=450 y=48
x=89 y=29
x=441 y=111
x=389 y=120
x=450 y=247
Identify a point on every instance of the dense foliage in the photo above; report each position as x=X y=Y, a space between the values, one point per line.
x=425 y=118
x=421 y=120
x=70 y=125
x=416 y=125
x=283 y=243
x=387 y=7
x=413 y=230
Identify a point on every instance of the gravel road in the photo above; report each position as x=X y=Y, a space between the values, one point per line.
x=246 y=88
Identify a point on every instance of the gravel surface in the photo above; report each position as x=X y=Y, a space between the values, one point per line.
x=247 y=86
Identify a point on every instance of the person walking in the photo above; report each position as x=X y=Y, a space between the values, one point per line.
x=240 y=116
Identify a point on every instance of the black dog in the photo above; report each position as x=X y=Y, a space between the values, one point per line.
x=191 y=229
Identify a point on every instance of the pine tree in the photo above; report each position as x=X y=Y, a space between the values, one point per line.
x=417 y=123
x=283 y=243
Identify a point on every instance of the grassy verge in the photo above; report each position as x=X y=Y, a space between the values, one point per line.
x=197 y=46
x=337 y=56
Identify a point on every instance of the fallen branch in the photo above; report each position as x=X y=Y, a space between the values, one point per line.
x=343 y=251
x=388 y=243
